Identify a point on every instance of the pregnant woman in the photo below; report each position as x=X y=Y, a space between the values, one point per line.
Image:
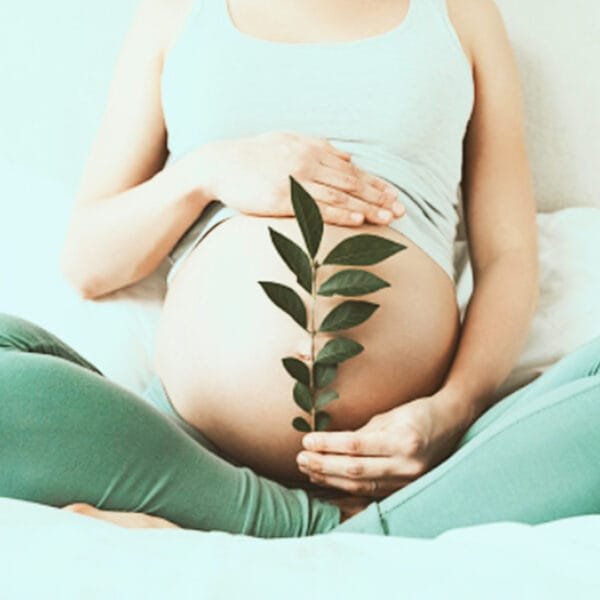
x=383 y=111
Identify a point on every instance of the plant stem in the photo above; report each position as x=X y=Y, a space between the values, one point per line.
x=313 y=334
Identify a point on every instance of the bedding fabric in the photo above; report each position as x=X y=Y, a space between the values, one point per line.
x=51 y=554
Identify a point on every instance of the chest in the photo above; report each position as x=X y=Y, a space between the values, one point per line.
x=395 y=91
x=315 y=21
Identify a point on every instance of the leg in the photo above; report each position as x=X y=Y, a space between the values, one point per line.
x=535 y=461
x=68 y=435
x=583 y=362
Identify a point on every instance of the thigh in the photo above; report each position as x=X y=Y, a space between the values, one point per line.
x=536 y=464
x=67 y=434
x=582 y=362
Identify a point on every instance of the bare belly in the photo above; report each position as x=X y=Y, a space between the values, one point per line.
x=221 y=340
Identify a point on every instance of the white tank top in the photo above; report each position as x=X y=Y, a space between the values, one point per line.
x=399 y=102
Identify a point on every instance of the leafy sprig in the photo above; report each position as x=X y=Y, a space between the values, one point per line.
x=309 y=391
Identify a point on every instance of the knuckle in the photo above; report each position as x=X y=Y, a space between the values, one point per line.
x=326 y=210
x=379 y=184
x=416 y=469
x=354 y=446
x=413 y=443
x=332 y=215
x=347 y=182
x=387 y=471
x=315 y=466
x=351 y=169
x=364 y=487
x=350 y=183
x=381 y=198
x=355 y=469
x=338 y=198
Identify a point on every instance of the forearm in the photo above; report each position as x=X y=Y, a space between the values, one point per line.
x=115 y=241
x=494 y=330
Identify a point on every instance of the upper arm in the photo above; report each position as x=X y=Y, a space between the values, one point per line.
x=130 y=145
x=497 y=186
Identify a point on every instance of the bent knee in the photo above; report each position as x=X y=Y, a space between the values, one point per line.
x=16 y=332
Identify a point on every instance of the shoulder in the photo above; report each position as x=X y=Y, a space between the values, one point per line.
x=480 y=27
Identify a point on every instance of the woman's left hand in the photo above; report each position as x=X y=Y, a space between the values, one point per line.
x=131 y=520
x=392 y=450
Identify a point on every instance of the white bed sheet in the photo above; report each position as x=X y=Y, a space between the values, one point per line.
x=48 y=553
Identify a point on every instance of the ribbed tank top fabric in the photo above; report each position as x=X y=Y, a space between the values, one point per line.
x=399 y=102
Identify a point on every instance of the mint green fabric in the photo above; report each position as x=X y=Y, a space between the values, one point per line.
x=533 y=457
x=68 y=434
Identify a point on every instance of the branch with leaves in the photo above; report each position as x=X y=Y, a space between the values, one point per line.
x=359 y=250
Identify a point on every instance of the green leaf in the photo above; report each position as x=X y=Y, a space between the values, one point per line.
x=302 y=396
x=324 y=374
x=362 y=249
x=286 y=299
x=309 y=217
x=338 y=350
x=297 y=369
x=294 y=257
x=325 y=398
x=348 y=314
x=352 y=282
x=322 y=420
x=301 y=425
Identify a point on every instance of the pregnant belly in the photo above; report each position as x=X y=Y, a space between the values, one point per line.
x=221 y=340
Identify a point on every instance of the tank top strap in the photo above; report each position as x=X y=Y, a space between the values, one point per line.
x=219 y=12
x=436 y=15
x=197 y=7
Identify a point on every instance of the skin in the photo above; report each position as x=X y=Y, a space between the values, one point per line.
x=397 y=446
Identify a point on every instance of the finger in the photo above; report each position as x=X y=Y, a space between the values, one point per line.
x=379 y=184
x=329 y=148
x=337 y=198
x=360 y=487
x=382 y=193
x=363 y=443
x=376 y=182
x=336 y=162
x=378 y=204
x=393 y=195
x=335 y=211
x=340 y=216
x=350 y=467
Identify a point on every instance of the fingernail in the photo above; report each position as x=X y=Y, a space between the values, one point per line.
x=302 y=460
x=398 y=208
x=384 y=215
x=356 y=217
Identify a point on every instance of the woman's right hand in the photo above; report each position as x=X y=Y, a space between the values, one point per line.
x=251 y=175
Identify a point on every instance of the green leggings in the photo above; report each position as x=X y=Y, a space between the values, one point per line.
x=67 y=434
